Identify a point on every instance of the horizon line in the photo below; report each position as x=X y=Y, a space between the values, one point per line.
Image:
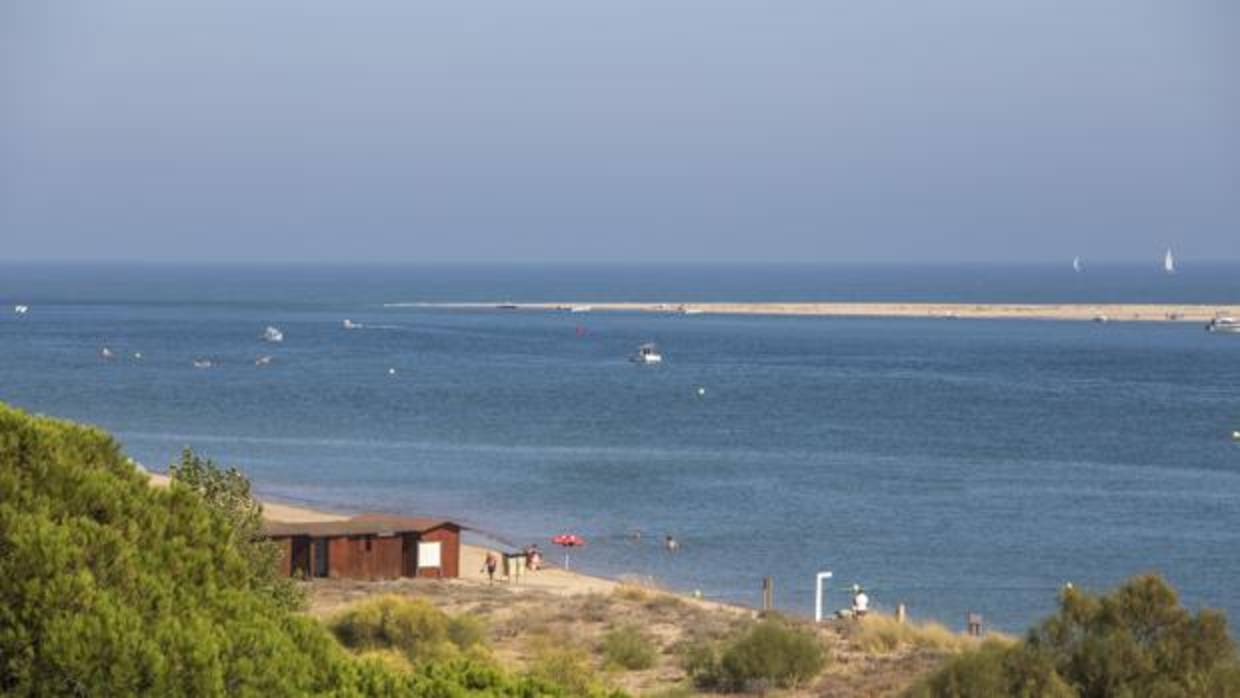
x=293 y=261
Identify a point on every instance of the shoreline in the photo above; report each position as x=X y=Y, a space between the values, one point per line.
x=551 y=578
x=1124 y=312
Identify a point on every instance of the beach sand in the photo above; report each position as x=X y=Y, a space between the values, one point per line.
x=1150 y=312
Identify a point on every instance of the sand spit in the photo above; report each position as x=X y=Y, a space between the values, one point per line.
x=1150 y=312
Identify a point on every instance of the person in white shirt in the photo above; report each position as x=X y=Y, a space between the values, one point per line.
x=861 y=602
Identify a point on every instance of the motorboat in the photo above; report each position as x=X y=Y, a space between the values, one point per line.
x=262 y=361
x=272 y=334
x=647 y=354
x=350 y=325
x=1169 y=262
x=106 y=353
x=21 y=309
x=202 y=363
x=1224 y=323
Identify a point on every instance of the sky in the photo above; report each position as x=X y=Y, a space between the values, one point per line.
x=674 y=130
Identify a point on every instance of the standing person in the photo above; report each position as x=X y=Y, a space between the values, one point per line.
x=491 y=564
x=535 y=558
x=861 y=602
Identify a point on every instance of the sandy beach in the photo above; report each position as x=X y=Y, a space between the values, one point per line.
x=990 y=311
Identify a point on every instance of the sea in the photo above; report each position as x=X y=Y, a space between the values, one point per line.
x=952 y=465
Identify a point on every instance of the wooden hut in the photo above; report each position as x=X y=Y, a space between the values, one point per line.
x=370 y=546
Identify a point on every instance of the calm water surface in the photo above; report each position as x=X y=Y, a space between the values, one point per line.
x=948 y=464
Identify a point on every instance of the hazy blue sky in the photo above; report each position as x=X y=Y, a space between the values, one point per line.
x=635 y=129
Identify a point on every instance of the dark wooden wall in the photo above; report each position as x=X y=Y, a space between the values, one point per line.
x=389 y=557
x=348 y=557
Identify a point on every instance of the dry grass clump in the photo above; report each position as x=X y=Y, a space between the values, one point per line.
x=667 y=604
x=881 y=634
x=594 y=608
x=630 y=591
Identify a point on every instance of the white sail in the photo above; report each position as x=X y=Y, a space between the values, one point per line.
x=1076 y=264
x=1169 y=262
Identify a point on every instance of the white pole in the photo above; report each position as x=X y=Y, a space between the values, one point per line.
x=819 y=589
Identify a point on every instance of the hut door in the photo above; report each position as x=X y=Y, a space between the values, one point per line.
x=299 y=558
x=409 y=555
x=320 y=557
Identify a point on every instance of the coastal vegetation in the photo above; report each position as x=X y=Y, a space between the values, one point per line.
x=226 y=491
x=773 y=653
x=413 y=627
x=114 y=588
x=629 y=648
x=880 y=634
x=1135 y=641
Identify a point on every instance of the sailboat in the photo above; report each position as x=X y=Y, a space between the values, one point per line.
x=1169 y=262
x=1076 y=264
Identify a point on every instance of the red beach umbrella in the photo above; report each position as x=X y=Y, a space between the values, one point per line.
x=568 y=540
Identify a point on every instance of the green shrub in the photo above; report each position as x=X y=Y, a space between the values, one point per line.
x=467 y=631
x=629 y=648
x=770 y=653
x=113 y=587
x=412 y=626
x=228 y=493
x=562 y=662
x=1136 y=641
x=700 y=661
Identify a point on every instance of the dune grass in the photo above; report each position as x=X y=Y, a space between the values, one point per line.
x=881 y=634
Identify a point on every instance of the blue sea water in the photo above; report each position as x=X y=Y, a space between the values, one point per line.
x=952 y=465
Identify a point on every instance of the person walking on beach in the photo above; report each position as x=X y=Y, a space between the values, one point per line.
x=491 y=564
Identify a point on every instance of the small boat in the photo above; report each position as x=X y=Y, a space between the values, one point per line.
x=507 y=306
x=580 y=309
x=262 y=361
x=272 y=334
x=647 y=354
x=1101 y=318
x=21 y=309
x=1169 y=262
x=1076 y=265
x=1224 y=323
x=202 y=363
x=106 y=353
x=350 y=325
x=1235 y=435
